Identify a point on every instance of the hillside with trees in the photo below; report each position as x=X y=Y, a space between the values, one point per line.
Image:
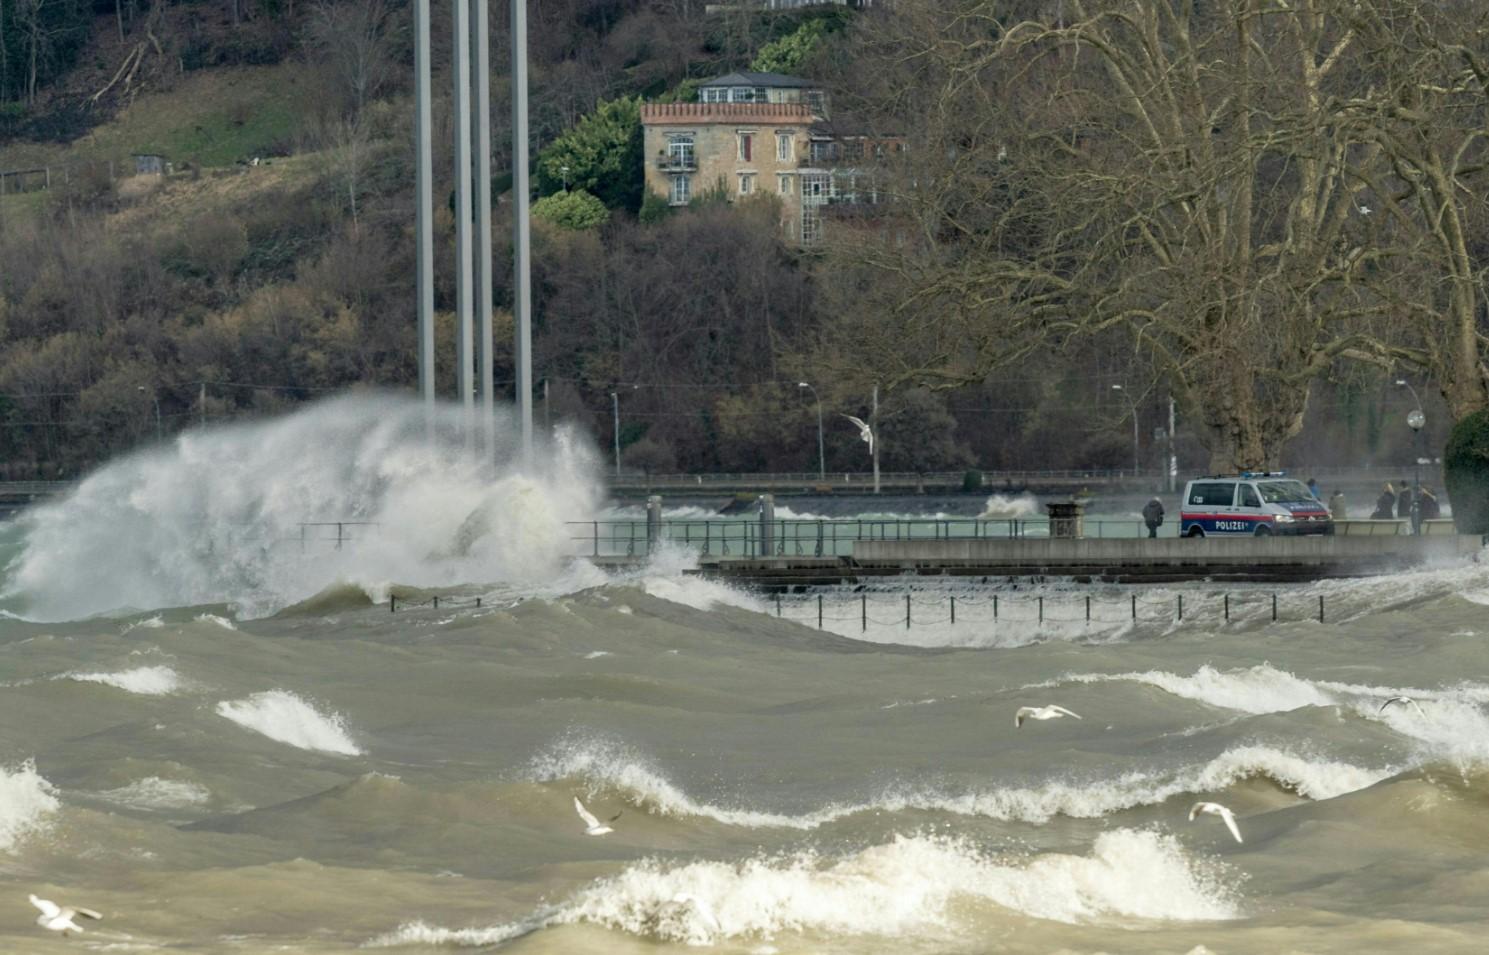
x=1270 y=217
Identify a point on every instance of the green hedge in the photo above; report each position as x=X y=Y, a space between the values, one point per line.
x=1466 y=472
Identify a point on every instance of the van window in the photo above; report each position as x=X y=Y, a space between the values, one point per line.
x=1248 y=496
x=1212 y=495
x=1284 y=492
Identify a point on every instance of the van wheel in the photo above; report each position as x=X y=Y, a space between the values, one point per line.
x=1196 y=532
x=1263 y=530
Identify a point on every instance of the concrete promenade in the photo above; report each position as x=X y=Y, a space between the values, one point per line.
x=1115 y=560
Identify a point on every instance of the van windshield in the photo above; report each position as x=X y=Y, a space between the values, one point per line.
x=1284 y=492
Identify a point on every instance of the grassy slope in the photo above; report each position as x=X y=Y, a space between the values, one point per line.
x=210 y=118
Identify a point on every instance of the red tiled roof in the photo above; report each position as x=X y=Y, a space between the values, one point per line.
x=703 y=113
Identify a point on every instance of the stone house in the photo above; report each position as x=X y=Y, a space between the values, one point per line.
x=756 y=132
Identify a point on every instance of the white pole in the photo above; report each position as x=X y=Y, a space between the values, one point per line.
x=521 y=285
x=615 y=406
x=1173 y=460
x=463 y=290
x=424 y=224
x=874 y=430
x=482 y=29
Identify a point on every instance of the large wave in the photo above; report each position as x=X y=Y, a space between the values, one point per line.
x=361 y=489
x=26 y=800
x=904 y=887
x=608 y=765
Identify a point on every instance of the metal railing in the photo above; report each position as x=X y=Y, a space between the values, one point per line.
x=812 y=537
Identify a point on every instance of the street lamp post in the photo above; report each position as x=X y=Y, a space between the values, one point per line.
x=1136 y=453
x=821 y=455
x=158 y=432
x=615 y=405
x=1415 y=420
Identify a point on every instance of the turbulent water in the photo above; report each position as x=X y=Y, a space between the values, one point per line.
x=222 y=739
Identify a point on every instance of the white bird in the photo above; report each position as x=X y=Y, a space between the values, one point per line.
x=1215 y=809
x=864 y=431
x=58 y=918
x=1050 y=712
x=593 y=826
x=1403 y=700
x=1365 y=210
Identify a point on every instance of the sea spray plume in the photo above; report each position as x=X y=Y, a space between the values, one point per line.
x=218 y=515
x=284 y=717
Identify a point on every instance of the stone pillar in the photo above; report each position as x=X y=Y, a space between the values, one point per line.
x=1067 y=519
x=653 y=520
x=767 y=525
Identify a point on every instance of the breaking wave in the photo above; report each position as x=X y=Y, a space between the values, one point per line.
x=284 y=717
x=26 y=800
x=147 y=681
x=904 y=887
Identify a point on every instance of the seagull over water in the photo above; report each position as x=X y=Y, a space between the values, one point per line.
x=1404 y=701
x=1050 y=712
x=864 y=431
x=59 y=918
x=593 y=826
x=1215 y=809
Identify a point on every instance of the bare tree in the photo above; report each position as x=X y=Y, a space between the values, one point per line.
x=357 y=40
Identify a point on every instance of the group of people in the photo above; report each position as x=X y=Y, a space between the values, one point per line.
x=1394 y=503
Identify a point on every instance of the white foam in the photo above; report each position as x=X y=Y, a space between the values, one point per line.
x=1257 y=689
x=246 y=514
x=26 y=800
x=908 y=887
x=213 y=618
x=284 y=717
x=147 y=681
x=145 y=623
x=153 y=792
x=1010 y=506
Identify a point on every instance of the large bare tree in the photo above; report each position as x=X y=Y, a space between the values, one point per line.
x=1177 y=170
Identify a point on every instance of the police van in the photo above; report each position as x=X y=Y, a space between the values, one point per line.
x=1255 y=504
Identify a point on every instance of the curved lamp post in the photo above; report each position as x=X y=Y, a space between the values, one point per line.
x=158 y=432
x=1415 y=420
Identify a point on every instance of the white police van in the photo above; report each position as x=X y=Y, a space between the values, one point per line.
x=1251 y=503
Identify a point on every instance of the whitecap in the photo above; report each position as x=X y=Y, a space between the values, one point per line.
x=153 y=792
x=147 y=681
x=286 y=718
x=26 y=800
x=213 y=618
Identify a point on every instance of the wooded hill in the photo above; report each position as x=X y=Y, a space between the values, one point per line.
x=1047 y=239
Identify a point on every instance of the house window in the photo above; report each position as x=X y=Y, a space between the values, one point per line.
x=681 y=190
x=823 y=151
x=783 y=185
x=714 y=94
x=746 y=183
x=853 y=150
x=746 y=146
x=680 y=150
x=816 y=102
x=783 y=147
x=814 y=189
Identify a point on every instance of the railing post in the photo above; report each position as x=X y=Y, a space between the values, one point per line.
x=1134 y=606
x=778 y=604
x=1320 y=608
x=819 y=611
x=1274 y=608
x=1227 y=608
x=907 y=611
x=1181 y=606
x=597 y=538
x=1088 y=608
x=392 y=603
x=653 y=521
x=953 y=610
x=1041 y=610
x=863 y=604
x=995 y=606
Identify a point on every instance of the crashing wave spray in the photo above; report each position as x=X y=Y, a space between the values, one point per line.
x=218 y=516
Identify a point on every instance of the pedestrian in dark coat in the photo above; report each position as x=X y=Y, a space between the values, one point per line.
x=1153 y=516
x=1385 y=505
x=1403 y=499
x=1428 y=508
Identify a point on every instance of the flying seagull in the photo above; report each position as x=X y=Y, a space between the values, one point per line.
x=58 y=918
x=1050 y=712
x=1215 y=809
x=864 y=431
x=593 y=826
x=1403 y=700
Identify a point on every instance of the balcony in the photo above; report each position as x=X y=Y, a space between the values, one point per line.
x=678 y=163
